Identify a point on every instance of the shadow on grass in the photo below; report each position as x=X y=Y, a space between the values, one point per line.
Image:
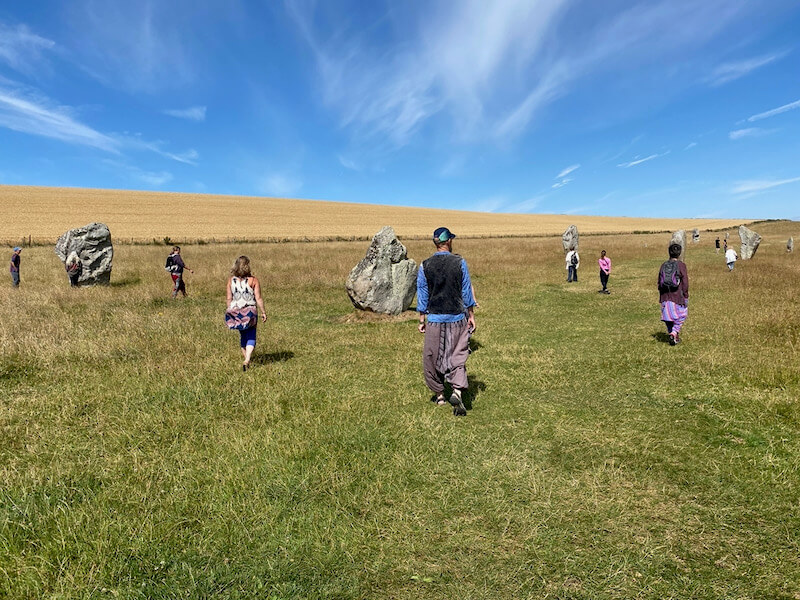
x=661 y=336
x=474 y=345
x=126 y=281
x=272 y=357
x=476 y=386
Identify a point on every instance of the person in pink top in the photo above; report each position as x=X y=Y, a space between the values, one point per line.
x=605 y=271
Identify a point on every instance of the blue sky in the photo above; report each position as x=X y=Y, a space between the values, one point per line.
x=665 y=108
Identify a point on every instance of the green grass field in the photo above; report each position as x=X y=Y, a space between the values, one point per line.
x=138 y=461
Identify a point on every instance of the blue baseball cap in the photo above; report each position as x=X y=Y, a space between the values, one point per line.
x=16 y=248
x=442 y=234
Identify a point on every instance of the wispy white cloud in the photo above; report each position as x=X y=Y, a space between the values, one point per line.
x=562 y=183
x=349 y=163
x=25 y=111
x=489 y=67
x=193 y=113
x=279 y=184
x=453 y=166
x=38 y=116
x=638 y=161
x=150 y=178
x=738 y=134
x=491 y=204
x=775 y=111
x=567 y=171
x=189 y=157
x=578 y=210
x=734 y=70
x=23 y=50
x=529 y=205
x=755 y=185
x=155 y=179
x=134 y=45
x=690 y=145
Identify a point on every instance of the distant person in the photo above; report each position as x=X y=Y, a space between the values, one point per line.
x=243 y=295
x=73 y=267
x=14 y=267
x=730 y=258
x=605 y=271
x=573 y=260
x=725 y=245
x=673 y=288
x=175 y=267
x=446 y=301
x=716 y=244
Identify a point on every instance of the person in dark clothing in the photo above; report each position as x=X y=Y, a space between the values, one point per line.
x=14 y=267
x=673 y=289
x=716 y=244
x=175 y=267
x=445 y=303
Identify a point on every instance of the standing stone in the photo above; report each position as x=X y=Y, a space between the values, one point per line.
x=790 y=245
x=727 y=235
x=385 y=280
x=679 y=237
x=695 y=236
x=92 y=243
x=750 y=241
x=570 y=239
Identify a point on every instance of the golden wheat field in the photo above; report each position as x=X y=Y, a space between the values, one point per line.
x=43 y=214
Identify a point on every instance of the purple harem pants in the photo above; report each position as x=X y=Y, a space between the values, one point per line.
x=444 y=355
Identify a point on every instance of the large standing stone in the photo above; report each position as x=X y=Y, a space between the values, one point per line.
x=385 y=280
x=93 y=245
x=679 y=237
x=695 y=236
x=570 y=239
x=790 y=245
x=750 y=241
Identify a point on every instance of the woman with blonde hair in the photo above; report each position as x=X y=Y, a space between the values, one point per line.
x=243 y=295
x=73 y=267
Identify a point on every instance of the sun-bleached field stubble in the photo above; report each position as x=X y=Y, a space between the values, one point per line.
x=45 y=213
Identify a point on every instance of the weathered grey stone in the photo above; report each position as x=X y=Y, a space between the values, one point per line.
x=750 y=241
x=727 y=235
x=385 y=280
x=790 y=245
x=570 y=239
x=679 y=237
x=92 y=243
x=695 y=236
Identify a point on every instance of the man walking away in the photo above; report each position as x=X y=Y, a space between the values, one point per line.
x=573 y=262
x=716 y=244
x=175 y=267
x=14 y=268
x=444 y=294
x=730 y=258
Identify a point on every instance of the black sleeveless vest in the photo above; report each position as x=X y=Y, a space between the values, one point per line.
x=444 y=277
